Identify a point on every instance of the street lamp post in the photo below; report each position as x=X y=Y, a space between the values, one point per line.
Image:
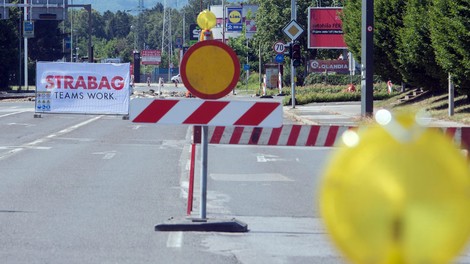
x=71 y=34
x=76 y=53
x=135 y=36
x=223 y=21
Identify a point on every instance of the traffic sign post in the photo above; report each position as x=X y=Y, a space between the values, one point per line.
x=28 y=29
x=210 y=70
x=279 y=47
x=279 y=58
x=293 y=30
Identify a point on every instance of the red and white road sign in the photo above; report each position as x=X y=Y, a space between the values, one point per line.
x=206 y=112
x=279 y=47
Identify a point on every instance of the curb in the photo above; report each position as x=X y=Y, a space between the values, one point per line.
x=295 y=117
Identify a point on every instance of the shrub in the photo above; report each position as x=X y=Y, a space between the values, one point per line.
x=335 y=79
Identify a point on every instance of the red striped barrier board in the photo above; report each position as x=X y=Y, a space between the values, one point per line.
x=206 y=112
x=301 y=135
x=287 y=135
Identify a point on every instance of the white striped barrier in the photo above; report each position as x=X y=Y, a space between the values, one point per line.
x=206 y=112
x=301 y=135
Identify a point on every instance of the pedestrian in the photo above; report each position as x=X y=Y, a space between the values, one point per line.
x=389 y=87
x=132 y=84
x=160 y=85
x=148 y=81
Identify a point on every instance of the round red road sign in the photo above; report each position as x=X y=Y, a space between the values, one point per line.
x=210 y=69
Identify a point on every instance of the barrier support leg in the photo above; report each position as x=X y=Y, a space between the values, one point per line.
x=203 y=224
x=191 y=179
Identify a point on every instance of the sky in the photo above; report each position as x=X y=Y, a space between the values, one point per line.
x=115 y=5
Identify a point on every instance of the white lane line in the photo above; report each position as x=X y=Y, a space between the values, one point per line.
x=175 y=240
x=72 y=128
x=19 y=112
x=46 y=138
x=18 y=147
x=20 y=124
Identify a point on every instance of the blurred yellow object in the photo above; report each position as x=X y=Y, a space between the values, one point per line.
x=400 y=194
x=206 y=20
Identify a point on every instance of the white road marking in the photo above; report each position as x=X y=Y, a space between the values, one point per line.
x=19 y=112
x=184 y=189
x=107 y=155
x=46 y=138
x=29 y=147
x=250 y=177
x=175 y=240
x=268 y=158
x=76 y=139
x=20 y=124
x=261 y=159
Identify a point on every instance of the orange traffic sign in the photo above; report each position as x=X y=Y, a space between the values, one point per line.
x=210 y=69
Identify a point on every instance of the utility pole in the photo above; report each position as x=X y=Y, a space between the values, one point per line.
x=367 y=63
x=167 y=34
x=25 y=47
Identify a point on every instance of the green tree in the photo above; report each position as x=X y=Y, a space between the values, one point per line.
x=417 y=61
x=8 y=52
x=450 y=31
x=388 y=17
x=271 y=12
x=116 y=25
x=47 y=43
x=45 y=46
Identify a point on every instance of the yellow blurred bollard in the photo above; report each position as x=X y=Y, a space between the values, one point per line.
x=397 y=193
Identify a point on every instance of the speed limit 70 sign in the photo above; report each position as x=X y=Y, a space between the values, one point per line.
x=279 y=47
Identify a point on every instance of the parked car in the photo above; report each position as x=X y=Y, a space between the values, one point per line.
x=176 y=79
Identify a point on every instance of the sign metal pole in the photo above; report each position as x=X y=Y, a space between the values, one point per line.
x=204 y=152
x=367 y=58
x=25 y=48
x=292 y=68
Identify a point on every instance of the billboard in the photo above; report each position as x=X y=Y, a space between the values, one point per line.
x=235 y=19
x=325 y=28
x=82 y=88
x=151 y=57
x=48 y=10
x=194 y=32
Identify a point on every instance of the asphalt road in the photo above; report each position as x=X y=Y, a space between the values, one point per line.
x=90 y=189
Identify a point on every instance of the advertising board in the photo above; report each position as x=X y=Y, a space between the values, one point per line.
x=151 y=57
x=82 y=88
x=325 y=28
x=339 y=66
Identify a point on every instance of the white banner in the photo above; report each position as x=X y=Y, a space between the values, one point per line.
x=85 y=88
